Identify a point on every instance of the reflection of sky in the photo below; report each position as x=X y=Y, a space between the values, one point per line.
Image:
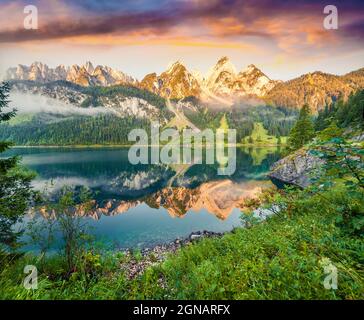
x=131 y=219
x=143 y=226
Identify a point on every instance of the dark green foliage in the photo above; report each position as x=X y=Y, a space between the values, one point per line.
x=344 y=163
x=351 y=112
x=303 y=130
x=15 y=191
x=281 y=258
x=344 y=114
x=79 y=130
x=278 y=121
x=332 y=131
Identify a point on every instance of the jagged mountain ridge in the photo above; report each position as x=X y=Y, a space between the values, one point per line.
x=176 y=82
x=222 y=81
x=222 y=84
x=85 y=75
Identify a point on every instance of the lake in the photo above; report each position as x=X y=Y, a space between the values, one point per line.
x=144 y=205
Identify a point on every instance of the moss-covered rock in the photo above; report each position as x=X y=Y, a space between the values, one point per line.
x=296 y=169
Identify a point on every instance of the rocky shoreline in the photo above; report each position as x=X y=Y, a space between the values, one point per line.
x=134 y=266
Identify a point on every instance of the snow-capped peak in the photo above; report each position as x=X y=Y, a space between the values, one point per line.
x=221 y=77
x=223 y=65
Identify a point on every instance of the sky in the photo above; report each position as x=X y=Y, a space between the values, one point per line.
x=284 y=38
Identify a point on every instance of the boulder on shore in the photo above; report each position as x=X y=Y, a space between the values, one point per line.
x=295 y=169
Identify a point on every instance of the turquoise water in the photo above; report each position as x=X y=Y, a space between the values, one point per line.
x=144 y=205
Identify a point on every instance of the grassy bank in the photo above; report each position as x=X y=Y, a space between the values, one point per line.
x=281 y=258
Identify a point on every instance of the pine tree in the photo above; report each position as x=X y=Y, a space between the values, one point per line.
x=303 y=130
x=15 y=189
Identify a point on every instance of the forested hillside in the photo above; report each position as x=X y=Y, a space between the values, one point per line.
x=101 y=129
x=317 y=89
x=349 y=113
x=278 y=121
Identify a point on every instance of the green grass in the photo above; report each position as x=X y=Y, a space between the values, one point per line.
x=260 y=136
x=280 y=258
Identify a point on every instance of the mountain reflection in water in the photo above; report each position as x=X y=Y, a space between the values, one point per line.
x=138 y=204
x=218 y=198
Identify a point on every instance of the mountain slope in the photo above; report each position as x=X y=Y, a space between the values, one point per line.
x=317 y=89
x=125 y=100
x=63 y=113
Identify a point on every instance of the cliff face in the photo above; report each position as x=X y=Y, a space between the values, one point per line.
x=296 y=169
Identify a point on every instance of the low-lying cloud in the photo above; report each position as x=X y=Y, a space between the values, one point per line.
x=36 y=103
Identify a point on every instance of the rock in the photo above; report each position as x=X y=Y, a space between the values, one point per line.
x=195 y=236
x=295 y=169
x=359 y=138
x=157 y=254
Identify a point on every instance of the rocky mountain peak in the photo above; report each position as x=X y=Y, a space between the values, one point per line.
x=89 y=67
x=221 y=77
x=223 y=65
x=176 y=67
x=251 y=68
x=223 y=60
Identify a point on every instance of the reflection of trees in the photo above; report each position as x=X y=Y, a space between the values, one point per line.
x=118 y=186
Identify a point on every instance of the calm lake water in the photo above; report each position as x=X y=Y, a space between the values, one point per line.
x=144 y=205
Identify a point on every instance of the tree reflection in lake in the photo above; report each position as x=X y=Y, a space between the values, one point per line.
x=134 y=204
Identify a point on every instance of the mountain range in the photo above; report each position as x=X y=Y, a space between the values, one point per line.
x=85 y=75
x=222 y=85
